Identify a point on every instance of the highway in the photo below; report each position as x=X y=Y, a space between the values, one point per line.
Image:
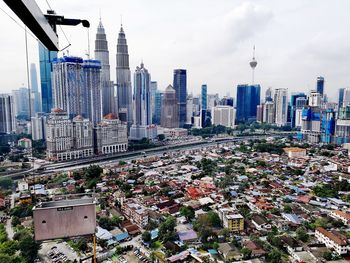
x=132 y=155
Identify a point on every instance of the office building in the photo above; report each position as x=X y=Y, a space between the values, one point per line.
x=35 y=96
x=170 y=112
x=158 y=98
x=224 y=115
x=180 y=86
x=46 y=58
x=111 y=135
x=107 y=89
x=268 y=94
x=281 y=106
x=341 y=97
x=7 y=115
x=320 y=85
x=248 y=98
x=21 y=103
x=189 y=110
x=92 y=84
x=153 y=90
x=123 y=80
x=204 y=104
x=269 y=112
x=77 y=87
x=142 y=123
x=68 y=139
x=260 y=113
x=294 y=106
x=38 y=123
x=315 y=99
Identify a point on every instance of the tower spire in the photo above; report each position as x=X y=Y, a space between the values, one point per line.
x=253 y=64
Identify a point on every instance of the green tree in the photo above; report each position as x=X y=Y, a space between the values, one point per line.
x=302 y=235
x=6 y=182
x=29 y=248
x=15 y=221
x=275 y=256
x=167 y=229
x=146 y=236
x=246 y=252
x=188 y=212
x=287 y=208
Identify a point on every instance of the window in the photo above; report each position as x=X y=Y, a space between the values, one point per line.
x=43 y=222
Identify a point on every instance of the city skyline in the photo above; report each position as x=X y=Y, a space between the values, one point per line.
x=284 y=60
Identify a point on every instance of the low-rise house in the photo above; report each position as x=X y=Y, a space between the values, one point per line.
x=340 y=215
x=257 y=251
x=332 y=239
x=135 y=212
x=260 y=223
x=229 y=252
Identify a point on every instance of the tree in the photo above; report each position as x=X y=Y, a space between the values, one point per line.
x=161 y=137
x=274 y=256
x=302 y=235
x=246 y=252
x=93 y=171
x=167 y=229
x=287 y=208
x=29 y=248
x=146 y=237
x=328 y=255
x=6 y=183
x=188 y=212
x=15 y=221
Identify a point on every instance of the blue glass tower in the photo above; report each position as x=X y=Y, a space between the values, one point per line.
x=341 y=97
x=293 y=104
x=204 y=104
x=157 y=107
x=180 y=86
x=248 y=98
x=45 y=59
x=320 y=85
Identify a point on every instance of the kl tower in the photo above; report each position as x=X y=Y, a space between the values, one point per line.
x=253 y=65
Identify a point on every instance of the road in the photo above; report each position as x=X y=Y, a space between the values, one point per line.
x=132 y=155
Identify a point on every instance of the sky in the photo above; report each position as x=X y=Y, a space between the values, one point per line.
x=296 y=41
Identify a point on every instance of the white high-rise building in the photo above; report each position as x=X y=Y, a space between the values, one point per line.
x=189 y=109
x=269 y=112
x=77 y=87
x=38 y=126
x=7 y=114
x=315 y=99
x=142 y=123
x=224 y=115
x=281 y=106
x=21 y=103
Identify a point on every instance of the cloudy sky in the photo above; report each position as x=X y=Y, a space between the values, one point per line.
x=296 y=41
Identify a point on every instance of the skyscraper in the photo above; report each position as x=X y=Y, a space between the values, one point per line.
x=281 y=106
x=7 y=115
x=21 y=103
x=77 y=87
x=92 y=82
x=157 y=107
x=180 y=86
x=102 y=54
x=320 y=85
x=189 y=110
x=341 y=97
x=36 y=105
x=293 y=102
x=248 y=98
x=204 y=104
x=123 y=80
x=170 y=112
x=45 y=59
x=268 y=94
x=153 y=90
x=142 y=123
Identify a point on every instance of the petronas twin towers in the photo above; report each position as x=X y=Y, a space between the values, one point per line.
x=115 y=100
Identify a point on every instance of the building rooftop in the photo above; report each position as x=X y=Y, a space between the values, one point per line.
x=65 y=203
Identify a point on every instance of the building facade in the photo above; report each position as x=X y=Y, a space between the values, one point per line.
x=123 y=80
x=107 y=88
x=224 y=115
x=180 y=87
x=142 y=122
x=7 y=114
x=248 y=98
x=46 y=58
x=111 y=135
x=35 y=94
x=281 y=106
x=320 y=85
x=39 y=126
x=170 y=112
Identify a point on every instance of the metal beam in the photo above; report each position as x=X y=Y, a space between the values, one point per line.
x=30 y=14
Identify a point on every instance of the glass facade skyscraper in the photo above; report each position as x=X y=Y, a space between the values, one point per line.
x=45 y=59
x=293 y=103
x=204 y=104
x=180 y=86
x=320 y=85
x=248 y=98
